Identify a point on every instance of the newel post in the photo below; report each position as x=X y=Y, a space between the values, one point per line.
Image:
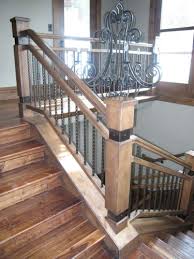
x=20 y=24
x=188 y=186
x=120 y=121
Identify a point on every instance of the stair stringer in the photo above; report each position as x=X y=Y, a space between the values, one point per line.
x=121 y=244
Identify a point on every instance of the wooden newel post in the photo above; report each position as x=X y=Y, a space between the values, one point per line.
x=20 y=24
x=188 y=186
x=120 y=121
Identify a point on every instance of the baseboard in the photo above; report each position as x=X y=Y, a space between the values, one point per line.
x=8 y=93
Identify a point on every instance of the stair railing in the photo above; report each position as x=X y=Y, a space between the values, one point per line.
x=98 y=133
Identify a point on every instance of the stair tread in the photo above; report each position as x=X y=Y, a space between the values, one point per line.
x=25 y=175
x=186 y=239
x=167 y=250
x=19 y=148
x=149 y=252
x=80 y=247
x=101 y=254
x=14 y=123
x=26 y=214
x=190 y=234
x=57 y=241
x=179 y=245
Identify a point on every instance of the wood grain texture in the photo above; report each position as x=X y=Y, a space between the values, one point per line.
x=26 y=214
x=8 y=93
x=23 y=183
x=58 y=241
x=20 y=154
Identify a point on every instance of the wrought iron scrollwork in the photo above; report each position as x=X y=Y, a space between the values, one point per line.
x=120 y=70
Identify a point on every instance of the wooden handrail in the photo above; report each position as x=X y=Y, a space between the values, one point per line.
x=160 y=159
x=87 y=92
x=159 y=151
x=88 y=113
x=160 y=168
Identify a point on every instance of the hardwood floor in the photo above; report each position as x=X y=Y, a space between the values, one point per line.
x=39 y=218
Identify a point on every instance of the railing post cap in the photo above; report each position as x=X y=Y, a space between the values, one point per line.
x=120 y=100
x=19 y=19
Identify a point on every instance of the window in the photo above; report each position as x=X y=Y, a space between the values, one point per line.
x=176 y=40
x=76 y=21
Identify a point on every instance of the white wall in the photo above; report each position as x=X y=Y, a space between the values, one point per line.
x=40 y=13
x=167 y=125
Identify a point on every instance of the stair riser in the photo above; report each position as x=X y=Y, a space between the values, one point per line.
x=28 y=158
x=29 y=190
x=29 y=235
x=20 y=133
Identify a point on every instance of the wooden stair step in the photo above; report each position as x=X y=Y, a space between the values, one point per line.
x=13 y=123
x=167 y=250
x=186 y=239
x=83 y=248
x=20 y=184
x=58 y=242
x=32 y=217
x=179 y=245
x=190 y=234
x=20 y=154
x=149 y=252
x=101 y=253
x=14 y=130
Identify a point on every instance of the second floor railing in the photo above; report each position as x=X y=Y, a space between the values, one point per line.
x=99 y=135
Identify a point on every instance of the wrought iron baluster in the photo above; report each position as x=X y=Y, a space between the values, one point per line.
x=175 y=193
x=85 y=140
x=69 y=121
x=49 y=94
x=180 y=191
x=156 y=190
x=167 y=192
x=44 y=86
x=145 y=188
x=62 y=111
x=55 y=103
x=102 y=163
x=38 y=84
x=77 y=131
x=35 y=80
x=152 y=189
x=30 y=74
x=139 y=177
x=162 y=191
x=93 y=151
x=173 y=188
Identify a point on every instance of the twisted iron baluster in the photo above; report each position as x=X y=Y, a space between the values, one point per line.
x=30 y=75
x=76 y=129
x=93 y=151
x=44 y=86
x=49 y=94
x=69 y=120
x=55 y=103
x=85 y=140
x=102 y=163
x=34 y=62
x=62 y=111
x=38 y=84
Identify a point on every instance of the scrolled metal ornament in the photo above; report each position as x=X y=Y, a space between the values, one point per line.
x=121 y=71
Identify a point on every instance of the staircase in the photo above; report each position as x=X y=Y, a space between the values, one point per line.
x=180 y=245
x=39 y=218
